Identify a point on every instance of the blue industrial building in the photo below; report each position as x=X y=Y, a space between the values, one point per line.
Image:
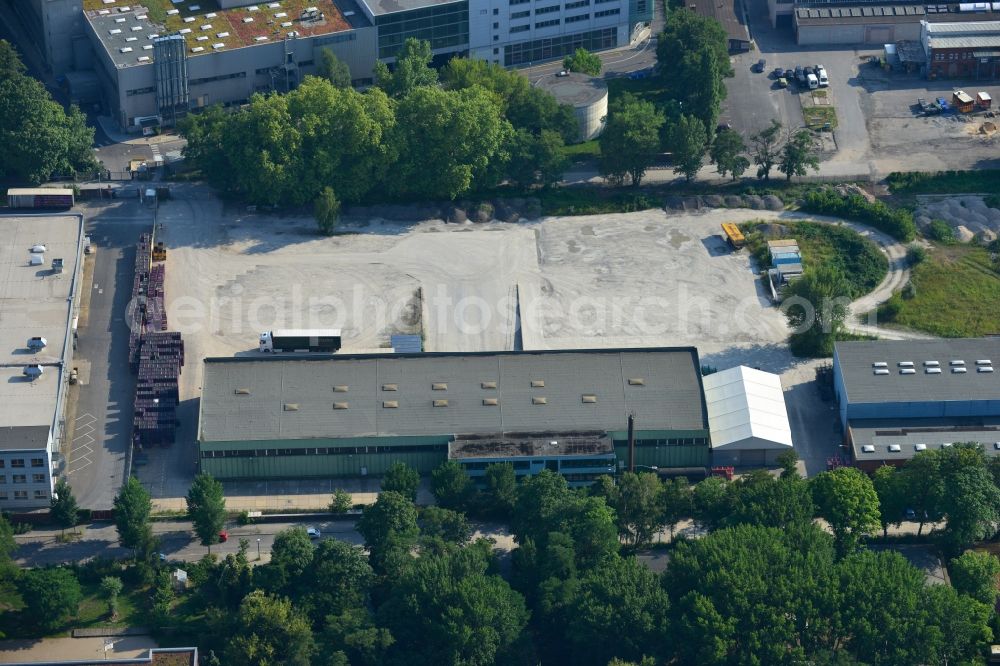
x=897 y=398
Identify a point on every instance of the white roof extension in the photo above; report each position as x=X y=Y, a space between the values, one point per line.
x=746 y=410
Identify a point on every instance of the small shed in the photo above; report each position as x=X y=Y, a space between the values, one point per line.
x=962 y=101
x=983 y=99
x=179 y=579
x=747 y=417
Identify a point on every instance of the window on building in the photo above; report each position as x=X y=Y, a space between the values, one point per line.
x=20 y=478
x=547 y=10
x=17 y=462
x=38 y=478
x=41 y=494
x=558 y=46
x=496 y=51
x=496 y=11
x=520 y=15
x=578 y=3
x=20 y=494
x=3 y=463
x=446 y=27
x=3 y=479
x=577 y=19
x=38 y=462
x=3 y=494
x=608 y=12
x=547 y=24
x=519 y=28
x=496 y=25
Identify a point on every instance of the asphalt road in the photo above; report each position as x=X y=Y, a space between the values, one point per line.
x=101 y=424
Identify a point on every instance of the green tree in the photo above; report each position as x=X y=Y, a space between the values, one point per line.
x=971 y=503
x=7 y=543
x=353 y=638
x=846 y=499
x=765 y=148
x=10 y=61
x=206 y=508
x=269 y=631
x=974 y=574
x=728 y=154
x=337 y=579
x=402 y=479
x=326 y=210
x=638 y=505
x=702 y=79
x=451 y=486
x=892 y=496
x=536 y=158
x=291 y=555
x=500 y=494
x=50 y=596
x=630 y=141
x=448 y=610
x=923 y=485
x=760 y=499
x=450 y=526
x=686 y=140
x=413 y=69
x=583 y=61
x=333 y=69
x=111 y=587
x=63 y=508
x=132 y=506
x=686 y=32
x=462 y=133
x=816 y=306
x=788 y=462
x=341 y=502
x=710 y=501
x=798 y=155
x=677 y=502
x=389 y=527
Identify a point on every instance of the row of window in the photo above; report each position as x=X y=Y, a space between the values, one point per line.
x=519 y=15
x=555 y=47
x=19 y=462
x=220 y=77
x=674 y=441
x=547 y=24
x=576 y=19
x=140 y=91
x=22 y=478
x=966 y=55
x=519 y=28
x=23 y=495
x=324 y=451
x=608 y=12
x=546 y=10
x=578 y=3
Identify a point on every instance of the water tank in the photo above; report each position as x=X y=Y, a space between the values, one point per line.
x=587 y=95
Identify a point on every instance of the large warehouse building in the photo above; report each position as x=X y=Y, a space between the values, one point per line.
x=898 y=398
x=354 y=415
x=37 y=307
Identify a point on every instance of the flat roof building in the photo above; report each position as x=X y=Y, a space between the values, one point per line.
x=962 y=50
x=350 y=415
x=897 y=398
x=37 y=307
x=586 y=94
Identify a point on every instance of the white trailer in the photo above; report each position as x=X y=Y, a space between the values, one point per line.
x=322 y=340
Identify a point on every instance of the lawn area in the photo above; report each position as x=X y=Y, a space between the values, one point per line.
x=858 y=258
x=652 y=89
x=955 y=292
x=579 y=152
x=92 y=612
x=945 y=182
x=595 y=201
x=816 y=117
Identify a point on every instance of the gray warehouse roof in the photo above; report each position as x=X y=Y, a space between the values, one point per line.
x=917 y=435
x=858 y=365
x=449 y=394
x=382 y=7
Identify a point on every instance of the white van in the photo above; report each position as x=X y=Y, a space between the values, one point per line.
x=821 y=74
x=812 y=81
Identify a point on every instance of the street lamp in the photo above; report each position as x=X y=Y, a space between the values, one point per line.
x=258 y=549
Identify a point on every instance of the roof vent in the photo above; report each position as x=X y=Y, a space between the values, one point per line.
x=958 y=370
x=985 y=368
x=984 y=361
x=996 y=445
x=589 y=399
x=441 y=386
x=341 y=405
x=488 y=385
x=37 y=342
x=540 y=400
x=880 y=364
x=490 y=402
x=537 y=383
x=894 y=448
x=32 y=371
x=636 y=381
x=440 y=403
x=291 y=407
x=390 y=404
x=957 y=362
x=340 y=388
x=905 y=364
x=38 y=248
x=881 y=371
x=931 y=364
x=390 y=387
x=919 y=447
x=907 y=371
x=946 y=445
x=242 y=391
x=868 y=448
x=932 y=371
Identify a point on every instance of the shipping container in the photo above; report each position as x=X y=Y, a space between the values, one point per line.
x=39 y=197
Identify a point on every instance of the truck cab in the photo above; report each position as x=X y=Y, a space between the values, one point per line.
x=266 y=343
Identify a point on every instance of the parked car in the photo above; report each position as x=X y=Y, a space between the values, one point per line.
x=777 y=73
x=789 y=74
x=759 y=65
x=641 y=74
x=800 y=74
x=782 y=82
x=223 y=536
x=723 y=126
x=313 y=533
x=824 y=81
x=812 y=81
x=942 y=104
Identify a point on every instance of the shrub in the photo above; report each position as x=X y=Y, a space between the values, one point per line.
x=243 y=518
x=896 y=222
x=909 y=291
x=889 y=310
x=939 y=230
x=916 y=255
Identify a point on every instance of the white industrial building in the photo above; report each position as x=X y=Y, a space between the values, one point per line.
x=747 y=417
x=38 y=301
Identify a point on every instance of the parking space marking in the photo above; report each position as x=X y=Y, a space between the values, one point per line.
x=80 y=446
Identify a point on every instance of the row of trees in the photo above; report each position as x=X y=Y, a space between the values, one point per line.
x=38 y=138
x=416 y=134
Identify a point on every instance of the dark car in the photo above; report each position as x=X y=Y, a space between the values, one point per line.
x=789 y=74
x=800 y=75
x=777 y=73
x=807 y=71
x=759 y=65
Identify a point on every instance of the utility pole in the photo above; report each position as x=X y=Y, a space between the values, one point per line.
x=631 y=442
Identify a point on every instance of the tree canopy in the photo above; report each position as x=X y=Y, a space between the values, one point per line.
x=132 y=507
x=630 y=140
x=583 y=61
x=206 y=508
x=50 y=596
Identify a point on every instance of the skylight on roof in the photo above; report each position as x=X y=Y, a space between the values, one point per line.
x=907 y=371
x=959 y=370
x=173 y=12
x=881 y=371
x=956 y=362
x=919 y=447
x=189 y=19
x=126 y=49
x=932 y=371
x=880 y=364
x=143 y=58
x=894 y=448
x=868 y=448
x=222 y=35
x=115 y=31
x=905 y=364
x=198 y=49
x=185 y=31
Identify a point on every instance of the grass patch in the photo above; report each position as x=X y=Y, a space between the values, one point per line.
x=594 y=201
x=945 y=182
x=578 y=152
x=840 y=248
x=651 y=89
x=816 y=117
x=953 y=294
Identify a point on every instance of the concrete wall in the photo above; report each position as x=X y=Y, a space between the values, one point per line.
x=30 y=486
x=875 y=34
x=929 y=409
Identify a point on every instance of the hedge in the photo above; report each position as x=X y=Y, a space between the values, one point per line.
x=896 y=222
